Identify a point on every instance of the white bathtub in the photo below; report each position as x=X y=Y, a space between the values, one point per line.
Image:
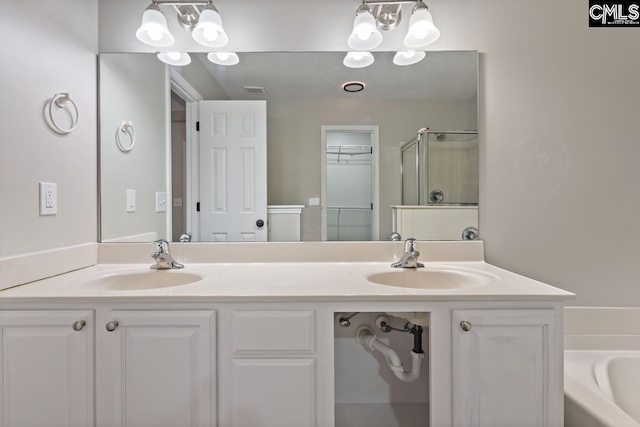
x=602 y=388
x=602 y=366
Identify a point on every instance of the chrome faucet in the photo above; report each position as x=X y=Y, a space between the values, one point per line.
x=164 y=260
x=410 y=256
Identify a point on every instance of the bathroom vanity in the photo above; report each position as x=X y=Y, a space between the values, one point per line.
x=253 y=344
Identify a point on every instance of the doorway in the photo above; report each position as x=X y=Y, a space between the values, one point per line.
x=350 y=183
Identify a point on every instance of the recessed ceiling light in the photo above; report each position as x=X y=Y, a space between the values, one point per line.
x=353 y=87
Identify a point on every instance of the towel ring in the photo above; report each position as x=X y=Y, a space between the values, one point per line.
x=60 y=100
x=126 y=127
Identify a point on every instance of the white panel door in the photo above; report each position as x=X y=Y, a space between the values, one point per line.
x=273 y=393
x=159 y=370
x=46 y=369
x=233 y=171
x=506 y=369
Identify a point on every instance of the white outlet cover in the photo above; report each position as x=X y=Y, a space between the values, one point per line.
x=131 y=200
x=177 y=202
x=48 y=198
x=161 y=201
x=314 y=201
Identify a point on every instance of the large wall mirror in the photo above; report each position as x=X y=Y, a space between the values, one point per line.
x=287 y=146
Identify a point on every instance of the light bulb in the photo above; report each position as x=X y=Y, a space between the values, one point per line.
x=364 y=33
x=210 y=34
x=174 y=55
x=421 y=33
x=155 y=33
x=223 y=55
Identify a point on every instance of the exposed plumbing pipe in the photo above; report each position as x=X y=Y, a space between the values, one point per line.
x=365 y=336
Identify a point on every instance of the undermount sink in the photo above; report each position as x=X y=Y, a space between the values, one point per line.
x=152 y=279
x=428 y=278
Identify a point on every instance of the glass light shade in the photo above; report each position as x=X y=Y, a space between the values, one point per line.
x=209 y=31
x=223 y=58
x=358 y=59
x=178 y=59
x=153 y=30
x=365 y=34
x=421 y=32
x=408 y=57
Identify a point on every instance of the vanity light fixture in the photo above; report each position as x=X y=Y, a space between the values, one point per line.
x=408 y=57
x=358 y=59
x=154 y=30
x=353 y=87
x=223 y=58
x=178 y=59
x=386 y=15
x=199 y=17
x=365 y=35
x=209 y=32
x=421 y=32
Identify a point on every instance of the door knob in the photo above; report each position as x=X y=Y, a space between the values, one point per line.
x=260 y=223
x=111 y=326
x=77 y=326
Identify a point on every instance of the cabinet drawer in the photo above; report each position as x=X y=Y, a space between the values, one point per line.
x=273 y=332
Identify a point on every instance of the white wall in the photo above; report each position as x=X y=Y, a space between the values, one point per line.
x=41 y=55
x=201 y=80
x=133 y=87
x=558 y=105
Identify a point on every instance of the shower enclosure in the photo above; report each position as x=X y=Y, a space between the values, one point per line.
x=440 y=168
x=439 y=187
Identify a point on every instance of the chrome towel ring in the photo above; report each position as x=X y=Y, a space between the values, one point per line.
x=126 y=127
x=61 y=100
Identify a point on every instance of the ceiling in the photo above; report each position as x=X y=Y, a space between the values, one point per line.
x=320 y=75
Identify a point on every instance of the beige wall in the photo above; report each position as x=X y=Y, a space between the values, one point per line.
x=558 y=106
x=133 y=88
x=41 y=56
x=294 y=142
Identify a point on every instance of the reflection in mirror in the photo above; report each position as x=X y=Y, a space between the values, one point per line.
x=283 y=153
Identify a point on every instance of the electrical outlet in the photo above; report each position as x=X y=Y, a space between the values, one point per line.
x=161 y=201
x=131 y=200
x=177 y=202
x=48 y=198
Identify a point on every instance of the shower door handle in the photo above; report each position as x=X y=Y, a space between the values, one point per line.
x=260 y=223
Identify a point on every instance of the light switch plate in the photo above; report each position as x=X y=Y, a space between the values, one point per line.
x=161 y=201
x=314 y=201
x=131 y=200
x=48 y=198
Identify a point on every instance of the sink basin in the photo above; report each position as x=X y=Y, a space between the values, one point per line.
x=151 y=279
x=428 y=278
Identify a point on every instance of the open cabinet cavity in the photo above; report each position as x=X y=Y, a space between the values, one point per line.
x=371 y=389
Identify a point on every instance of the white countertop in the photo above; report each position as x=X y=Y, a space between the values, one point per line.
x=317 y=281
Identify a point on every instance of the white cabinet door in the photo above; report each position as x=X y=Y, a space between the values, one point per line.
x=506 y=368
x=273 y=393
x=159 y=369
x=46 y=368
x=233 y=171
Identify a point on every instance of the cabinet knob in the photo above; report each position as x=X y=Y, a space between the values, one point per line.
x=466 y=326
x=77 y=326
x=111 y=326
